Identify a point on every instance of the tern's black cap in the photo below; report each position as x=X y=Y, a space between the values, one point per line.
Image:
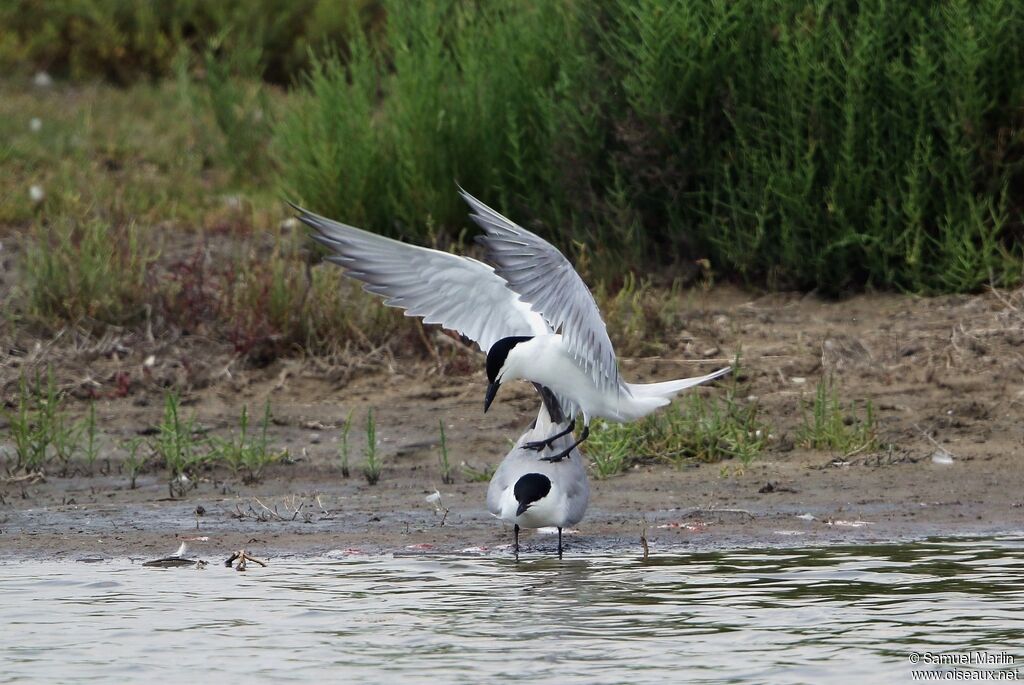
x=529 y=489
x=498 y=353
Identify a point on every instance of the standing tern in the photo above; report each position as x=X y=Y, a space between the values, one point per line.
x=532 y=493
x=532 y=315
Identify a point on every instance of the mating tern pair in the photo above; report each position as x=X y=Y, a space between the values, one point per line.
x=531 y=314
x=536 y=320
x=536 y=493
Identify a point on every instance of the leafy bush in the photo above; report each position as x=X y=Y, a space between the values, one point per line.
x=124 y=40
x=817 y=144
x=813 y=145
x=454 y=91
x=91 y=272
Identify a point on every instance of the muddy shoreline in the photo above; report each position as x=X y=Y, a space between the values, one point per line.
x=944 y=375
x=803 y=506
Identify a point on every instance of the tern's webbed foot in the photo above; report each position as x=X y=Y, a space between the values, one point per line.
x=540 y=445
x=555 y=458
x=568 y=450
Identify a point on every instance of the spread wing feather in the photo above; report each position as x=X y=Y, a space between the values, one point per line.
x=544 y=278
x=459 y=293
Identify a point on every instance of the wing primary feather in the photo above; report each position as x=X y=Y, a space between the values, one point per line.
x=543 y=278
x=457 y=292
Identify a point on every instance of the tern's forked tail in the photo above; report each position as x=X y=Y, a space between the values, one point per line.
x=668 y=389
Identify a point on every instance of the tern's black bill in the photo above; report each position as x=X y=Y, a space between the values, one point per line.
x=523 y=506
x=492 y=390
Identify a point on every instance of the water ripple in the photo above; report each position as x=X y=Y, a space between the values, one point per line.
x=768 y=616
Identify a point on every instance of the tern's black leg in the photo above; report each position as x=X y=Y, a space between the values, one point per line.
x=550 y=403
x=539 y=445
x=515 y=547
x=559 y=542
x=565 y=453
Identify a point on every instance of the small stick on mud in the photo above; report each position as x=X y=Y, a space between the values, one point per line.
x=242 y=558
x=856 y=451
x=320 y=504
x=269 y=510
x=27 y=478
x=435 y=499
x=933 y=441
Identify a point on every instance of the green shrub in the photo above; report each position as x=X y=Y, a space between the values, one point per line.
x=88 y=272
x=124 y=40
x=247 y=453
x=456 y=92
x=812 y=145
x=826 y=145
x=38 y=426
x=828 y=425
x=821 y=144
x=372 y=468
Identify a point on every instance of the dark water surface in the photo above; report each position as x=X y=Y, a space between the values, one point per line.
x=838 y=614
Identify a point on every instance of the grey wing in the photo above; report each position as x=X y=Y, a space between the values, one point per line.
x=459 y=293
x=572 y=476
x=578 y=491
x=501 y=479
x=544 y=278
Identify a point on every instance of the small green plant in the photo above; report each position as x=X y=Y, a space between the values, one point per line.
x=90 y=450
x=38 y=426
x=176 y=445
x=343 y=445
x=446 y=467
x=609 y=449
x=476 y=475
x=134 y=462
x=247 y=454
x=636 y=314
x=372 y=468
x=828 y=425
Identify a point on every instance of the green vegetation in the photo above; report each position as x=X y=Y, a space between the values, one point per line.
x=269 y=303
x=39 y=426
x=446 y=467
x=184 y=449
x=343 y=445
x=476 y=475
x=372 y=467
x=827 y=425
x=466 y=95
x=814 y=145
x=91 y=449
x=822 y=145
x=177 y=447
x=43 y=436
x=128 y=41
x=244 y=453
x=133 y=462
x=693 y=428
x=88 y=273
x=241 y=109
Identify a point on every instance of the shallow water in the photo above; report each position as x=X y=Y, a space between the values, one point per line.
x=840 y=614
